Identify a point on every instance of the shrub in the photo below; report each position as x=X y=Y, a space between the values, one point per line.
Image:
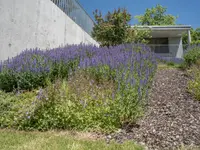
x=8 y=81
x=13 y=107
x=194 y=84
x=31 y=69
x=60 y=107
x=170 y=63
x=82 y=104
x=6 y=104
x=192 y=56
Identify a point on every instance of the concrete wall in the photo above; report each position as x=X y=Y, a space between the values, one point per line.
x=176 y=47
x=26 y=24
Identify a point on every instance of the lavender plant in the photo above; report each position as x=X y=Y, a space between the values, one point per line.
x=169 y=60
x=129 y=68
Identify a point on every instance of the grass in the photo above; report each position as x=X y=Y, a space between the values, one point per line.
x=19 y=140
x=166 y=66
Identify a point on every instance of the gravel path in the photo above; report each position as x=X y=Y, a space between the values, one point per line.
x=173 y=116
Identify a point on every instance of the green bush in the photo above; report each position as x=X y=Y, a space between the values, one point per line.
x=87 y=101
x=192 y=56
x=170 y=64
x=8 y=81
x=70 y=106
x=81 y=103
x=13 y=107
x=194 y=84
x=11 y=80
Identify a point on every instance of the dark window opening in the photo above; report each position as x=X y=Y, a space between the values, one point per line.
x=159 y=45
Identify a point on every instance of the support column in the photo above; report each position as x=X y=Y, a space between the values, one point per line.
x=189 y=37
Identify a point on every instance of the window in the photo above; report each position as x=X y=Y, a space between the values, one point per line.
x=159 y=45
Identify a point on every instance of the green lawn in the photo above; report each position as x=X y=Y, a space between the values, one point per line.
x=15 y=140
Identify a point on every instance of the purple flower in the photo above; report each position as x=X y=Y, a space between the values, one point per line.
x=129 y=66
x=40 y=94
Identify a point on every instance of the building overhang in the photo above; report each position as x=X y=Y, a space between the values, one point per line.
x=166 y=31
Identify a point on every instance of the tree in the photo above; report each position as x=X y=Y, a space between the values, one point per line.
x=112 y=29
x=138 y=35
x=156 y=16
x=195 y=36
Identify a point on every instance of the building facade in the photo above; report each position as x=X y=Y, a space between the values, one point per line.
x=167 y=40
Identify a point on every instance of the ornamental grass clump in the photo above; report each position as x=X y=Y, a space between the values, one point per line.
x=81 y=87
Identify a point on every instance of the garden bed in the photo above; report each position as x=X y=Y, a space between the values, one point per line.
x=101 y=90
x=76 y=87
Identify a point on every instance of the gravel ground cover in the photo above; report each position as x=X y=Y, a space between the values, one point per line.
x=172 y=118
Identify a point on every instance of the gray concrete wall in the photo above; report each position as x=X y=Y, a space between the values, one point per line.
x=26 y=24
x=176 y=47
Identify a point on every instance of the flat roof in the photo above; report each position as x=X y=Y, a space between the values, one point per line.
x=167 y=27
x=167 y=30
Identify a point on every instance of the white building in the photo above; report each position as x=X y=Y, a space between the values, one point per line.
x=167 y=40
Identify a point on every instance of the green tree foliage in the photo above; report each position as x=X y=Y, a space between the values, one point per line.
x=138 y=35
x=195 y=36
x=113 y=28
x=156 y=16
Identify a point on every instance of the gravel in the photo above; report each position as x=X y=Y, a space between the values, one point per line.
x=172 y=118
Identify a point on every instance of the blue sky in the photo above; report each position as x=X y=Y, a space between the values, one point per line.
x=188 y=11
